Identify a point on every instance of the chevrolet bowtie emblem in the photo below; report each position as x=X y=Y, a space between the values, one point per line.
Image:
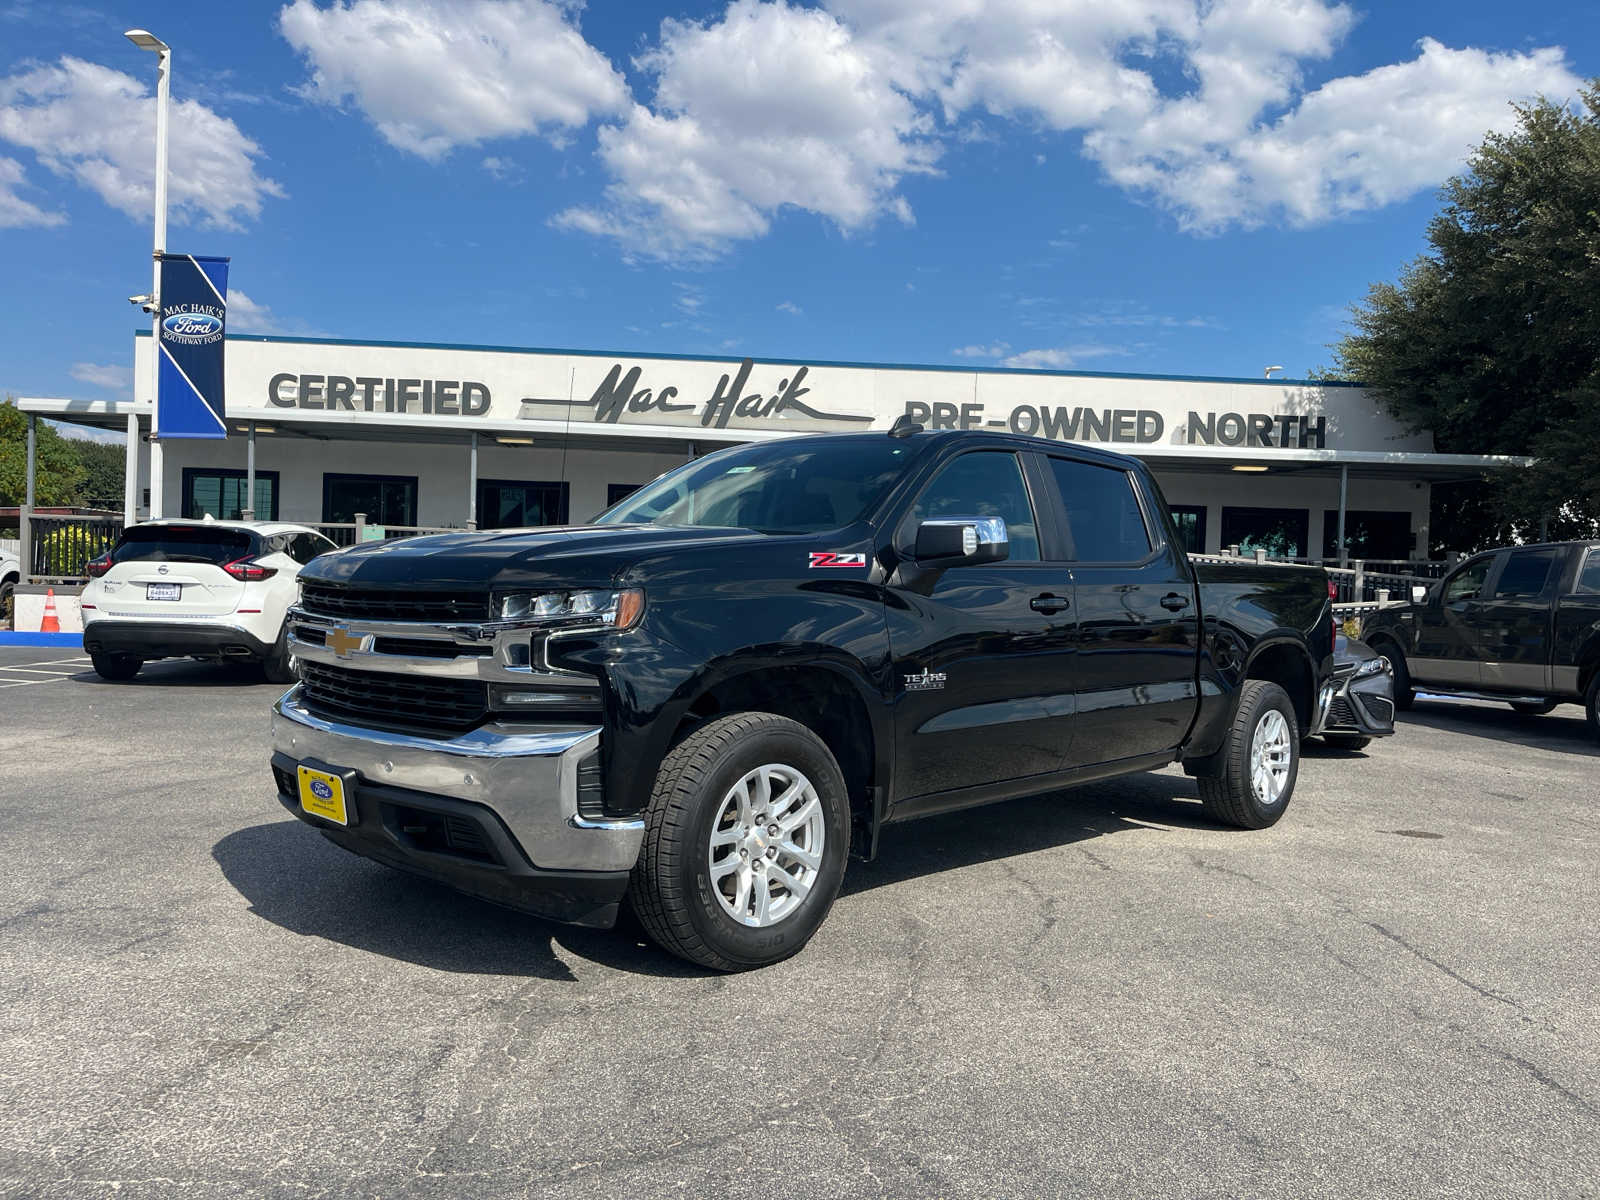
x=344 y=642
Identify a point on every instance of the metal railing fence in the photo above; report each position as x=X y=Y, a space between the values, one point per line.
x=60 y=547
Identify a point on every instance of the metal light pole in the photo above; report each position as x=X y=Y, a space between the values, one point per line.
x=148 y=41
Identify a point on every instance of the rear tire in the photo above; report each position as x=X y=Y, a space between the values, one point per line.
x=1591 y=706
x=119 y=668
x=1537 y=709
x=1347 y=741
x=278 y=667
x=7 y=600
x=697 y=868
x=1260 y=761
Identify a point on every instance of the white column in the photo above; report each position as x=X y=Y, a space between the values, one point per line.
x=1344 y=495
x=163 y=94
x=249 y=506
x=472 y=483
x=130 y=473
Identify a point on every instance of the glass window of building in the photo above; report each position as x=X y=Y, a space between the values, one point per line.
x=1191 y=522
x=1379 y=536
x=385 y=499
x=1281 y=532
x=219 y=492
x=514 y=504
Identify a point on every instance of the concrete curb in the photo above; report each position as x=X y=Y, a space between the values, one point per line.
x=41 y=639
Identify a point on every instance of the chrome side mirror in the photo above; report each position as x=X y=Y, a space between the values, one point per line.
x=961 y=541
x=1419 y=594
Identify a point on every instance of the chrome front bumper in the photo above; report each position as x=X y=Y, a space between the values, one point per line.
x=525 y=775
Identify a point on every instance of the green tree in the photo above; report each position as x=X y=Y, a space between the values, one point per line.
x=1492 y=338
x=104 y=466
x=59 y=472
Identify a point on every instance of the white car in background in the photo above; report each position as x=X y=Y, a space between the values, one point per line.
x=10 y=576
x=212 y=590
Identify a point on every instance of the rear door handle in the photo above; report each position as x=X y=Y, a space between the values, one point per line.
x=1172 y=602
x=1049 y=604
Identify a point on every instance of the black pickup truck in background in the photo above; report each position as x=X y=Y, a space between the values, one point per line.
x=1519 y=624
x=707 y=698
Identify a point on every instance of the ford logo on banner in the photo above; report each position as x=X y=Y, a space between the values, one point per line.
x=192 y=326
x=192 y=338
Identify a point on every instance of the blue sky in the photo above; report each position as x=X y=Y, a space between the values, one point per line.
x=1147 y=186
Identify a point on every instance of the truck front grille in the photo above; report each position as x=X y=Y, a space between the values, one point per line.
x=416 y=703
x=390 y=604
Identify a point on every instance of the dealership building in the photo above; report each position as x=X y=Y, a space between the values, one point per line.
x=416 y=435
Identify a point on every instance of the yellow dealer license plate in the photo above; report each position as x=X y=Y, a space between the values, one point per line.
x=322 y=795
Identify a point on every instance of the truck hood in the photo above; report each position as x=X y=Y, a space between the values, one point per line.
x=553 y=556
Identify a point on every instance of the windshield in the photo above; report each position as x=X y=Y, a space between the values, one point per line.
x=182 y=543
x=801 y=486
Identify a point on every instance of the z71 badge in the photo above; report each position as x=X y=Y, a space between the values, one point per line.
x=831 y=558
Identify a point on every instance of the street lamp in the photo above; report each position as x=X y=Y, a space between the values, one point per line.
x=148 y=41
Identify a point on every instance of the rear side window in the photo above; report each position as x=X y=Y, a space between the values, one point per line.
x=1589 y=577
x=1524 y=574
x=184 y=543
x=1103 y=515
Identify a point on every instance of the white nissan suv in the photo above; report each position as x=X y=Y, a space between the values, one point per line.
x=210 y=590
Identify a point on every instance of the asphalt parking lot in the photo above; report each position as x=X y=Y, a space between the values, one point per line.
x=1392 y=993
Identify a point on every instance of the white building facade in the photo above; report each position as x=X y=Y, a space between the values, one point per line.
x=414 y=435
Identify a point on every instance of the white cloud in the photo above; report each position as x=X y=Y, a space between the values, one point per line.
x=770 y=107
x=110 y=375
x=246 y=316
x=433 y=75
x=790 y=307
x=1062 y=356
x=504 y=169
x=1355 y=143
x=993 y=350
x=15 y=212
x=96 y=126
x=1201 y=105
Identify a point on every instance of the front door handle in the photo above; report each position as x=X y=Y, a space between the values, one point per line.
x=1173 y=602
x=1049 y=604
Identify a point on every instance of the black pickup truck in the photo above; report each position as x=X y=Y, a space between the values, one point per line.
x=1519 y=624
x=708 y=697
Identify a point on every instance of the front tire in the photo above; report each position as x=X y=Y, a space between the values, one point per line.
x=278 y=667
x=119 y=668
x=1534 y=709
x=1260 y=762
x=1404 y=694
x=745 y=843
x=1591 y=706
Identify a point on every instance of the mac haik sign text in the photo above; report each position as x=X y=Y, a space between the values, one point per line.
x=468 y=387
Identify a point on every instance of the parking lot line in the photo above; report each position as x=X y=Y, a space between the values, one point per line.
x=51 y=671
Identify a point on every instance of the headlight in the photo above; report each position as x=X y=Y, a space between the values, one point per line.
x=619 y=610
x=1372 y=666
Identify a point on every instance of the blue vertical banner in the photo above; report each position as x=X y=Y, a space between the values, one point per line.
x=194 y=315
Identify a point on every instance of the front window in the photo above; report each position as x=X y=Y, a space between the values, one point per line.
x=805 y=485
x=1467 y=583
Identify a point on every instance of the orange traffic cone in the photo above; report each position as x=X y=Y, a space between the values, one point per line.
x=51 y=622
